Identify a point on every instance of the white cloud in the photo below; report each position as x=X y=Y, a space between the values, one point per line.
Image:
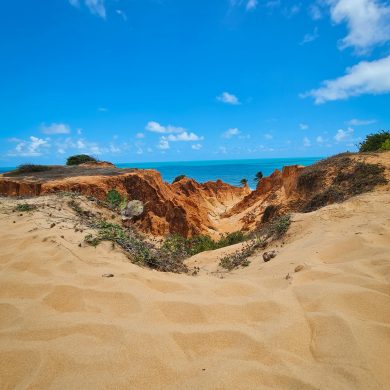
x=364 y=78
x=306 y=142
x=251 y=4
x=55 y=128
x=96 y=7
x=368 y=22
x=268 y=136
x=31 y=148
x=228 y=98
x=343 y=134
x=155 y=127
x=196 y=146
x=184 y=136
x=361 y=122
x=303 y=126
x=163 y=144
x=140 y=135
x=310 y=37
x=319 y=140
x=231 y=132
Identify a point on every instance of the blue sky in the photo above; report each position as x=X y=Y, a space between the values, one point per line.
x=166 y=80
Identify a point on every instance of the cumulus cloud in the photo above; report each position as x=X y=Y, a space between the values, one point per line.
x=306 y=142
x=155 y=127
x=368 y=22
x=268 y=136
x=184 y=136
x=228 y=98
x=303 y=126
x=319 y=140
x=55 y=128
x=96 y=7
x=33 y=147
x=196 y=146
x=361 y=122
x=231 y=132
x=364 y=78
x=342 y=135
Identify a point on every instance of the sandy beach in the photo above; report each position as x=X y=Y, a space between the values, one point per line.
x=63 y=325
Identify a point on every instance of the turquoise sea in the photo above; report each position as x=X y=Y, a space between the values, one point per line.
x=229 y=171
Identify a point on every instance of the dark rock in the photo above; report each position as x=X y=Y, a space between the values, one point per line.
x=108 y=275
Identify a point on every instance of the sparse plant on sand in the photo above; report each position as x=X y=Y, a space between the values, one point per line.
x=240 y=258
x=25 y=207
x=113 y=199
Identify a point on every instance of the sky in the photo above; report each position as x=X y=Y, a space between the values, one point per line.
x=174 y=80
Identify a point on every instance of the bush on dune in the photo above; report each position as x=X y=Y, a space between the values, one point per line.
x=376 y=142
x=80 y=159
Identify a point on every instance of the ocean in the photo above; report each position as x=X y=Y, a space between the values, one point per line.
x=229 y=171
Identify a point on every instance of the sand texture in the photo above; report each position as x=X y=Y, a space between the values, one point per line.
x=64 y=326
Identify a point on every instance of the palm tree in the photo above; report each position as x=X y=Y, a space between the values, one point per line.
x=258 y=177
x=244 y=182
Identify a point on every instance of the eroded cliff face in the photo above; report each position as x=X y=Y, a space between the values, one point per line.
x=190 y=208
x=186 y=207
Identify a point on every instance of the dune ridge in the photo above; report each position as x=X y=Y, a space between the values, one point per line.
x=62 y=325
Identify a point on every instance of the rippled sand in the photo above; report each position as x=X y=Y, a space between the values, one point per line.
x=64 y=326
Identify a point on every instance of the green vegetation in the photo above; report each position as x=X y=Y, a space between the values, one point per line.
x=31 y=168
x=240 y=258
x=140 y=252
x=280 y=226
x=244 y=182
x=114 y=199
x=178 y=178
x=197 y=244
x=375 y=142
x=258 y=177
x=80 y=159
x=24 y=207
x=386 y=145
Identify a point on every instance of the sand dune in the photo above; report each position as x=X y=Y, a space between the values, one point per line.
x=62 y=325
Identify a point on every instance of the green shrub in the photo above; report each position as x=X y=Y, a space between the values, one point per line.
x=24 y=207
x=244 y=182
x=374 y=142
x=113 y=199
x=231 y=239
x=385 y=146
x=80 y=159
x=199 y=244
x=280 y=226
